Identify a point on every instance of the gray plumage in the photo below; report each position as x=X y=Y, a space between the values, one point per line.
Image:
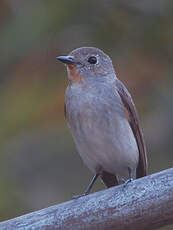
x=101 y=132
x=97 y=104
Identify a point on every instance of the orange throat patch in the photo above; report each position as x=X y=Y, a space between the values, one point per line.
x=74 y=74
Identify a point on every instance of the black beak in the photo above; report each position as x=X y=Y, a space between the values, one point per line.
x=67 y=60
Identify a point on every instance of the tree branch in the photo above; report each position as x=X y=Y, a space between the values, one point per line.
x=146 y=203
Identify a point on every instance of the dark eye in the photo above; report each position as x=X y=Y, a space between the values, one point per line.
x=92 y=60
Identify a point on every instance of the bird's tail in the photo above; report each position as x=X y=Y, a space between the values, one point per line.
x=109 y=179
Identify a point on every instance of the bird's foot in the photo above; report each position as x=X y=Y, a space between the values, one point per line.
x=126 y=182
x=78 y=196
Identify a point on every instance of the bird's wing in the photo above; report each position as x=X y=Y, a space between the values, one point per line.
x=108 y=179
x=135 y=126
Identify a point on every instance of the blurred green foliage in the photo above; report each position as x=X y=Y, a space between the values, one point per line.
x=38 y=160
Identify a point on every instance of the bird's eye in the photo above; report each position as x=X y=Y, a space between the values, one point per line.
x=92 y=60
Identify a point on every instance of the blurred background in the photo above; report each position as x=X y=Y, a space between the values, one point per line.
x=39 y=165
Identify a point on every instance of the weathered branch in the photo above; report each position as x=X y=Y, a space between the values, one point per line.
x=146 y=203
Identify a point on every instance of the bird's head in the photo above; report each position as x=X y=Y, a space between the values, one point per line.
x=87 y=63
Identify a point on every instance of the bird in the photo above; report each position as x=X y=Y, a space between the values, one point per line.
x=103 y=119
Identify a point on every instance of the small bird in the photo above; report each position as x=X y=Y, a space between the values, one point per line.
x=103 y=119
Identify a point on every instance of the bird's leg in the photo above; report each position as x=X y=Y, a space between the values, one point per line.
x=130 y=177
x=88 y=188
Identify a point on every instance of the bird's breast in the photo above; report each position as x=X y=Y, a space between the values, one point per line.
x=93 y=108
x=100 y=129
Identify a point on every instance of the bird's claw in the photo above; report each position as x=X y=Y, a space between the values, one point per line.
x=128 y=181
x=78 y=196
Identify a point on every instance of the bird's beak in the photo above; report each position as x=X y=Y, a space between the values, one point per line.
x=67 y=60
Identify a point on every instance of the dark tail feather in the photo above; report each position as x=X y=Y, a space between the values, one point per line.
x=109 y=179
x=141 y=170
